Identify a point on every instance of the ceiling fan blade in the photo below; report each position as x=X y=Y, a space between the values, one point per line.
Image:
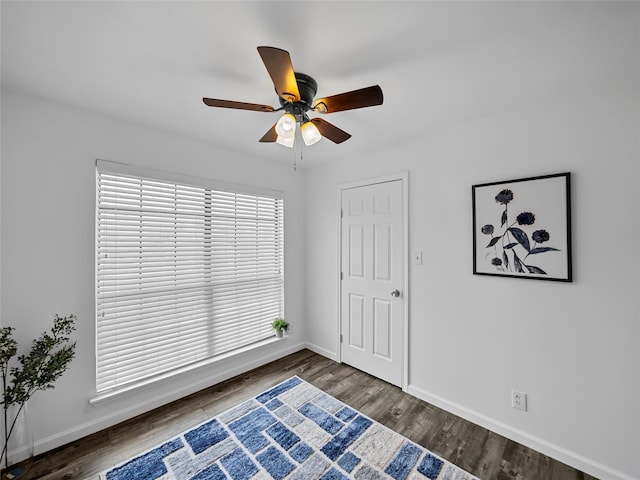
x=364 y=97
x=270 y=136
x=213 y=102
x=330 y=131
x=280 y=68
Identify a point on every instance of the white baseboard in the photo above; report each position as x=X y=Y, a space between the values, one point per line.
x=573 y=459
x=19 y=455
x=95 y=425
x=322 y=351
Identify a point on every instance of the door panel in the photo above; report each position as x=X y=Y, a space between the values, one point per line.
x=356 y=321
x=382 y=252
x=356 y=251
x=382 y=328
x=372 y=268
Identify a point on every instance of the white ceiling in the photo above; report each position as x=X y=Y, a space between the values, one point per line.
x=438 y=63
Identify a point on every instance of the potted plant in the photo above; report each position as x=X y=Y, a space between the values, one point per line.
x=49 y=357
x=280 y=325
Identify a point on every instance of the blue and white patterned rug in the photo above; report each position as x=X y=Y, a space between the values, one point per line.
x=293 y=431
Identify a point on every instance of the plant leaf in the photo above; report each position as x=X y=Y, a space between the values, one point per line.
x=521 y=237
x=504 y=217
x=505 y=260
x=47 y=360
x=533 y=269
x=518 y=263
x=493 y=241
x=543 y=249
x=510 y=245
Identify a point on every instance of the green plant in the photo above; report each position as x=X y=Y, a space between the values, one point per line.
x=49 y=357
x=280 y=324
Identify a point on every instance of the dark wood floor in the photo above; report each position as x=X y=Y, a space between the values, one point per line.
x=485 y=454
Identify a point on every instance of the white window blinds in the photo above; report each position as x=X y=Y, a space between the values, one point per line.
x=184 y=272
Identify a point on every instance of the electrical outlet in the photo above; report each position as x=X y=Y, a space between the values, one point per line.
x=519 y=400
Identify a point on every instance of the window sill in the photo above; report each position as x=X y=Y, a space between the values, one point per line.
x=118 y=392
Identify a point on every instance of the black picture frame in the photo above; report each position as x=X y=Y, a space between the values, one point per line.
x=522 y=228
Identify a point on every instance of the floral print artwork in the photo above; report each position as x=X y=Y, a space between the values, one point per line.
x=521 y=228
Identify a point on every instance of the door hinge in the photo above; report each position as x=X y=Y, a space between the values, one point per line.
x=341 y=276
x=341 y=213
x=340 y=338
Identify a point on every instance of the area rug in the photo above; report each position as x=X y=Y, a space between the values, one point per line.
x=293 y=431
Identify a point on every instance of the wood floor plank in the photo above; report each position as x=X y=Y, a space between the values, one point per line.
x=479 y=451
x=488 y=463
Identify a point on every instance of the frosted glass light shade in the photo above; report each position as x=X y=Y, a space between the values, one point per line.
x=287 y=142
x=286 y=126
x=310 y=133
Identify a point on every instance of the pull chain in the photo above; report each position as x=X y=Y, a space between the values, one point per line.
x=298 y=142
x=295 y=165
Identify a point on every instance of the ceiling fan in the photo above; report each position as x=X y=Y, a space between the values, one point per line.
x=296 y=93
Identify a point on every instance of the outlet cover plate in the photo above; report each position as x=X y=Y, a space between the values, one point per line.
x=519 y=400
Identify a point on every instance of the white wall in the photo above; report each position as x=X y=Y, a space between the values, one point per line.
x=48 y=246
x=572 y=347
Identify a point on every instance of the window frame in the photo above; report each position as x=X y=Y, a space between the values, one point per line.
x=104 y=167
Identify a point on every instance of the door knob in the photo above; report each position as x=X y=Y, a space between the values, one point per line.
x=395 y=293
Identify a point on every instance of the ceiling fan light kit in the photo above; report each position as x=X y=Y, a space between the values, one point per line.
x=285 y=141
x=286 y=126
x=310 y=133
x=296 y=92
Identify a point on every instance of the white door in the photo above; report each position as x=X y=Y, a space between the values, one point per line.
x=372 y=264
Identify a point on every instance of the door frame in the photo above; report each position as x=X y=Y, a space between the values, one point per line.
x=404 y=178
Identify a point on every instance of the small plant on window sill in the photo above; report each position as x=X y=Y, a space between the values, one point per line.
x=49 y=357
x=280 y=325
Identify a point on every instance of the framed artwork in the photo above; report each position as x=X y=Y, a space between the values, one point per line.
x=522 y=228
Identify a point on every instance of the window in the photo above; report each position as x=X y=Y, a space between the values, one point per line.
x=186 y=271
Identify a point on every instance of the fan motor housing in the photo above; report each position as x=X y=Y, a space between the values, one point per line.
x=307 y=87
